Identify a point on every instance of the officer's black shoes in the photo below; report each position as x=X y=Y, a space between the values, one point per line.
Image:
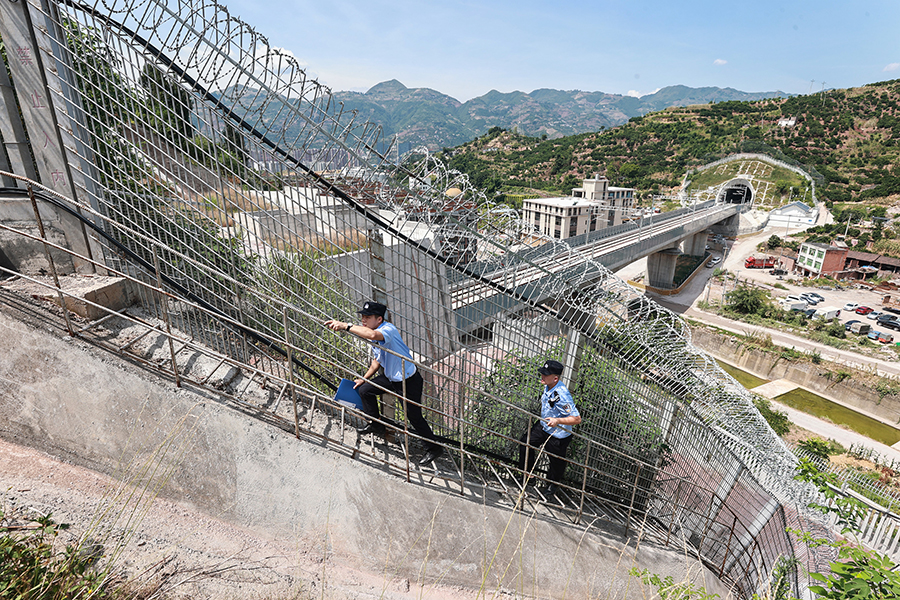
x=371 y=427
x=431 y=455
x=551 y=489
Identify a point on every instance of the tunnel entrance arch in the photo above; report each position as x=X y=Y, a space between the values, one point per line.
x=736 y=191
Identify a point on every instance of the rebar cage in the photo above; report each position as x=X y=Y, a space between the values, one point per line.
x=213 y=166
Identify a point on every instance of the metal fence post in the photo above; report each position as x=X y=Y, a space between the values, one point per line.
x=587 y=457
x=406 y=416
x=633 y=494
x=40 y=224
x=728 y=546
x=290 y=365
x=462 y=457
x=165 y=309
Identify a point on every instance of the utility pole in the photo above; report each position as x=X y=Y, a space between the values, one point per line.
x=786 y=228
x=847 y=228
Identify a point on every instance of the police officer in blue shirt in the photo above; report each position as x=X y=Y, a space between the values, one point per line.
x=397 y=374
x=554 y=431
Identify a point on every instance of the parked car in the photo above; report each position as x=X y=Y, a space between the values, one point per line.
x=895 y=325
x=863 y=310
x=891 y=309
x=778 y=272
x=809 y=313
x=883 y=318
x=810 y=299
x=874 y=315
x=874 y=335
x=849 y=324
x=851 y=306
x=714 y=261
x=818 y=297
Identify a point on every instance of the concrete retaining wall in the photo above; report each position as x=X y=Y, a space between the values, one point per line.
x=768 y=365
x=67 y=398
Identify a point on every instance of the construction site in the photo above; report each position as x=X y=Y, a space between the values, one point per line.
x=183 y=210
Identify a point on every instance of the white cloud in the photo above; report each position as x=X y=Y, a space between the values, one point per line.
x=637 y=94
x=720 y=61
x=892 y=67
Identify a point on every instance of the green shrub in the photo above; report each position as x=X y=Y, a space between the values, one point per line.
x=777 y=419
x=31 y=568
x=817 y=447
x=858 y=573
x=886 y=387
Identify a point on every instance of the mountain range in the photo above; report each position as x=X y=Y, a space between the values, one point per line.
x=422 y=116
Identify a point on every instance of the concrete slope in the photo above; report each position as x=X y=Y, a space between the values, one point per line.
x=75 y=401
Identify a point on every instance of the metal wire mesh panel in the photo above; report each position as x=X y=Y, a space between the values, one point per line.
x=216 y=167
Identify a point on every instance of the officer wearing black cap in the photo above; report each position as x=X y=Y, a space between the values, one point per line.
x=554 y=431
x=397 y=373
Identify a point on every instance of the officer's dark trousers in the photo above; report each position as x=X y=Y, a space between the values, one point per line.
x=369 y=392
x=556 y=450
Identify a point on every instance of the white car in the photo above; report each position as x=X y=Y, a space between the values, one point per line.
x=850 y=306
x=714 y=261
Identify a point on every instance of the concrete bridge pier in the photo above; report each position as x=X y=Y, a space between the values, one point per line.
x=696 y=244
x=661 y=267
x=728 y=227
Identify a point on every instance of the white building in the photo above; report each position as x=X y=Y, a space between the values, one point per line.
x=595 y=205
x=562 y=218
x=795 y=214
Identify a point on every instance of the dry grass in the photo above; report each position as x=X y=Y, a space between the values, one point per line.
x=337 y=242
x=233 y=200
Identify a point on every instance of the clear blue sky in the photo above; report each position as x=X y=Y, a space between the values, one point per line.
x=467 y=48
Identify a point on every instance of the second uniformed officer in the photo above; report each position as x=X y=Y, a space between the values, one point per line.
x=554 y=430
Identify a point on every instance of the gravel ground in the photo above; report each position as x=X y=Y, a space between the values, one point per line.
x=191 y=554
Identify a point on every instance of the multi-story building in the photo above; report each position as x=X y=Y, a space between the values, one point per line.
x=615 y=202
x=814 y=260
x=593 y=206
x=561 y=218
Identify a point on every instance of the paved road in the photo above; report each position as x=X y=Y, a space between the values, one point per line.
x=685 y=303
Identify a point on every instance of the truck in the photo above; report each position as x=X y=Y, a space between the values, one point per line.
x=760 y=262
x=827 y=313
x=795 y=305
x=860 y=328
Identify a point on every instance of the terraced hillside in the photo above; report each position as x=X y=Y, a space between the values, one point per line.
x=846 y=139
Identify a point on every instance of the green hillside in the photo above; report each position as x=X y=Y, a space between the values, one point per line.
x=847 y=140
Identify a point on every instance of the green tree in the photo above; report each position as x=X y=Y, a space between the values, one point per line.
x=168 y=106
x=137 y=199
x=106 y=96
x=773 y=242
x=747 y=300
